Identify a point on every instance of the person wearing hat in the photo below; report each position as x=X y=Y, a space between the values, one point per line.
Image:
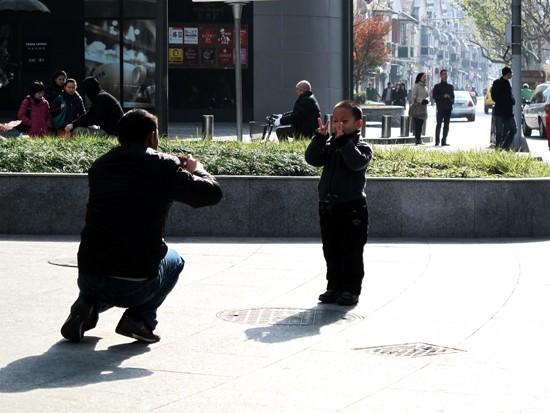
x=526 y=93
x=34 y=112
x=104 y=112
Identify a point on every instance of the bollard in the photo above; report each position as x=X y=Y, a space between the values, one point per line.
x=424 y=127
x=364 y=127
x=404 y=126
x=328 y=118
x=207 y=127
x=386 y=126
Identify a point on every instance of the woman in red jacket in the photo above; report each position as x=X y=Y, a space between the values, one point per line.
x=34 y=111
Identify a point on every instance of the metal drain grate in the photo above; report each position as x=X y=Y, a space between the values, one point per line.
x=411 y=350
x=287 y=316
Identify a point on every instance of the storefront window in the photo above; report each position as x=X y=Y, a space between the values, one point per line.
x=139 y=8
x=101 y=8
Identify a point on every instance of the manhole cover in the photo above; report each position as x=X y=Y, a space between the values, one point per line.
x=411 y=350
x=64 y=261
x=287 y=316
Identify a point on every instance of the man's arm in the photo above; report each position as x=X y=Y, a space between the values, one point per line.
x=194 y=186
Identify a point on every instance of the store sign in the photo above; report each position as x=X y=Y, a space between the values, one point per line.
x=36 y=53
x=175 y=35
x=208 y=46
x=175 y=55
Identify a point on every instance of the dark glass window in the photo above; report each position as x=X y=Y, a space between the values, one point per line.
x=139 y=8
x=101 y=8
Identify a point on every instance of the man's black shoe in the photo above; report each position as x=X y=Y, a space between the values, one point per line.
x=329 y=296
x=82 y=317
x=445 y=144
x=347 y=298
x=136 y=329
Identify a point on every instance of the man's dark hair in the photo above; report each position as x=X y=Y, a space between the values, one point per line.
x=351 y=105
x=441 y=71
x=506 y=70
x=59 y=73
x=135 y=126
x=36 y=86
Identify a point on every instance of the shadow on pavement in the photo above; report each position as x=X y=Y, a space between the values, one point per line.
x=71 y=365
x=303 y=324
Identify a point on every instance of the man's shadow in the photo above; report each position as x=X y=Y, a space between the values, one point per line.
x=303 y=324
x=71 y=365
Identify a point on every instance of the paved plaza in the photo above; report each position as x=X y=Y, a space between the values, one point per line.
x=441 y=327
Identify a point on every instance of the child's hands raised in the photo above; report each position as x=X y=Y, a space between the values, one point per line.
x=338 y=130
x=323 y=128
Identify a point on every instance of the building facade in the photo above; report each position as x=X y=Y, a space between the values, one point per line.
x=116 y=41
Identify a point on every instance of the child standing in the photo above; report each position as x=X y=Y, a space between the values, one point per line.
x=34 y=111
x=342 y=201
x=67 y=107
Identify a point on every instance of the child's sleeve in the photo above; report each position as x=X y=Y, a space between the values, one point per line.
x=315 y=152
x=356 y=158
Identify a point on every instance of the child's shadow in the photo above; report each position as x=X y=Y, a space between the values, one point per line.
x=70 y=365
x=303 y=324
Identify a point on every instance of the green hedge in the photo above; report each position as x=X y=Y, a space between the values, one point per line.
x=286 y=159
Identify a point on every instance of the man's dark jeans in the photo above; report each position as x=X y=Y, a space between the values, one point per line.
x=505 y=131
x=142 y=298
x=442 y=116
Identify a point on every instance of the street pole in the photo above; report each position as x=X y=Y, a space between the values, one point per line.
x=161 y=75
x=520 y=143
x=237 y=13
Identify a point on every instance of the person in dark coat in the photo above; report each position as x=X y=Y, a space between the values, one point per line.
x=505 y=124
x=304 y=115
x=123 y=260
x=67 y=107
x=444 y=96
x=104 y=112
x=343 y=211
x=55 y=88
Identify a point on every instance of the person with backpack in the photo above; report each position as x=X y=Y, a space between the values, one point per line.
x=34 y=112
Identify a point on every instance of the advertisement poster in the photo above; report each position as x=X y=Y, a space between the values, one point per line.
x=191 y=55
x=208 y=35
x=244 y=57
x=225 y=56
x=225 y=35
x=208 y=56
x=175 y=35
x=191 y=35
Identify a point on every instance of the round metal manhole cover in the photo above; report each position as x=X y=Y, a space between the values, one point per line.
x=69 y=261
x=287 y=316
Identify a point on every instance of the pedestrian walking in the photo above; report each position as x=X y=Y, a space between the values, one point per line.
x=444 y=97
x=418 y=110
x=343 y=211
x=400 y=95
x=505 y=124
x=372 y=93
x=388 y=94
x=123 y=260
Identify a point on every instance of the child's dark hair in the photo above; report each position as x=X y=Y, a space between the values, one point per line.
x=351 y=105
x=70 y=80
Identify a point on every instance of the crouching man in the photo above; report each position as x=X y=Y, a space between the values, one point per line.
x=123 y=260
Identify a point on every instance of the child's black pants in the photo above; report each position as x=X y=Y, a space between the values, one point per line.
x=344 y=229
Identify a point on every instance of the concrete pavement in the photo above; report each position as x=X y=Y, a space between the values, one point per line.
x=441 y=327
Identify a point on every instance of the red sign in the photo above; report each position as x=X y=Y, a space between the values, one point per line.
x=208 y=35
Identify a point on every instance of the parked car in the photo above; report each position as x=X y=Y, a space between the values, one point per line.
x=488 y=101
x=534 y=116
x=464 y=106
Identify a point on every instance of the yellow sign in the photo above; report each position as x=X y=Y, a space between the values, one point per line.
x=175 y=55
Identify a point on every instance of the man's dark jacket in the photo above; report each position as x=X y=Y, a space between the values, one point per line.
x=443 y=104
x=105 y=110
x=304 y=115
x=501 y=92
x=131 y=190
x=344 y=161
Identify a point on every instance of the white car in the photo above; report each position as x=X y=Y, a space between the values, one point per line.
x=534 y=116
x=464 y=106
